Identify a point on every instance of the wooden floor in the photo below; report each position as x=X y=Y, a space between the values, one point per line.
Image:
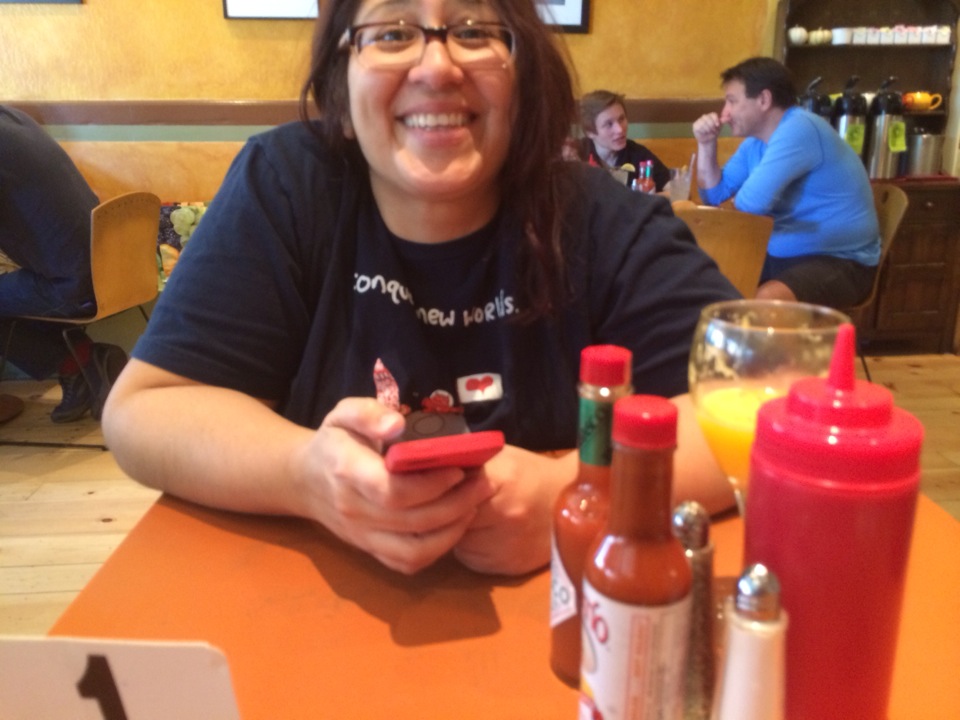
x=63 y=511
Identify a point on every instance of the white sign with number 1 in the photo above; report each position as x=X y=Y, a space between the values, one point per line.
x=45 y=678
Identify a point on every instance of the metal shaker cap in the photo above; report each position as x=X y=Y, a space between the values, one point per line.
x=691 y=525
x=758 y=594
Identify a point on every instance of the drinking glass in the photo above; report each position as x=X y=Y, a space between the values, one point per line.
x=744 y=353
x=679 y=187
x=620 y=175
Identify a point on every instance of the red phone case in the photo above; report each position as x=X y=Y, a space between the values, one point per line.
x=462 y=450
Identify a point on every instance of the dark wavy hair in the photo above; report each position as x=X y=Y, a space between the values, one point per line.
x=536 y=188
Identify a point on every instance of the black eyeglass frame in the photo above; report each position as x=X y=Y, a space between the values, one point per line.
x=350 y=35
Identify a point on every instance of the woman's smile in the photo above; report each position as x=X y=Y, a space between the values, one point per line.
x=435 y=121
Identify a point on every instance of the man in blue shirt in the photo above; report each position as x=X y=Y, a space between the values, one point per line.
x=794 y=167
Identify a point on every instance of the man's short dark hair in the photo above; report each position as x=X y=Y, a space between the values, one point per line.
x=762 y=73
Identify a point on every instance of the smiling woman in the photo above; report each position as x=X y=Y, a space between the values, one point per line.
x=419 y=241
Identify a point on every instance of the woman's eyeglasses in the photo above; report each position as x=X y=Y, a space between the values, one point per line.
x=400 y=45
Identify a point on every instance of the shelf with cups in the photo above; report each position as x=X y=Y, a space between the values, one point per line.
x=866 y=46
x=916 y=67
x=848 y=48
x=872 y=39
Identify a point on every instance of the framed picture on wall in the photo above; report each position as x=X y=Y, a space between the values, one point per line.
x=572 y=16
x=270 y=9
x=568 y=15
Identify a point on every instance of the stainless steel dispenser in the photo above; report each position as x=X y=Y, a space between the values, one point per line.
x=887 y=140
x=925 y=155
x=817 y=102
x=850 y=116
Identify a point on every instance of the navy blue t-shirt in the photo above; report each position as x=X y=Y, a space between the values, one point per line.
x=292 y=288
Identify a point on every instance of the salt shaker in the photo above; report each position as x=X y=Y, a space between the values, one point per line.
x=691 y=526
x=752 y=680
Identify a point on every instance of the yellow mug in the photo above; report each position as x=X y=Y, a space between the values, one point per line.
x=922 y=100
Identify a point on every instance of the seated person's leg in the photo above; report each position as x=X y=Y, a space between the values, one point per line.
x=775 y=290
x=38 y=349
x=818 y=279
x=24 y=292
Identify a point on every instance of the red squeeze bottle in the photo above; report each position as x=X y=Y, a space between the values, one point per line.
x=581 y=507
x=834 y=475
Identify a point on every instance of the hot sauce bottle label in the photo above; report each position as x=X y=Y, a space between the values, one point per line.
x=632 y=658
x=563 y=594
x=595 y=422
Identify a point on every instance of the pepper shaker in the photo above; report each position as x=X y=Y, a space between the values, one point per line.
x=691 y=526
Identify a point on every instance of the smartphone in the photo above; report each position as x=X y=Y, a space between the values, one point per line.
x=462 y=450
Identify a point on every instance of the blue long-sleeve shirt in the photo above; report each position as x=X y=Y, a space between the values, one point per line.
x=813 y=185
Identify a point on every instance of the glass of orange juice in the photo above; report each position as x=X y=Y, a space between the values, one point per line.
x=744 y=353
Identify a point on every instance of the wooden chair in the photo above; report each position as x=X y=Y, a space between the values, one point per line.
x=737 y=242
x=123 y=264
x=891 y=203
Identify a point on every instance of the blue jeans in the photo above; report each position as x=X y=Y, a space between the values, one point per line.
x=37 y=348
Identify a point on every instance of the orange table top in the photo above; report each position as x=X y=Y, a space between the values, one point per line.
x=312 y=628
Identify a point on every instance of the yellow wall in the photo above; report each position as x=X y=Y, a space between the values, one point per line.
x=151 y=50
x=185 y=49
x=669 y=48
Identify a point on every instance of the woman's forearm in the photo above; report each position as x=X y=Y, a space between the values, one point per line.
x=696 y=474
x=211 y=445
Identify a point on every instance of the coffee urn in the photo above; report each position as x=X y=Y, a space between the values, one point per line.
x=850 y=116
x=925 y=154
x=817 y=102
x=887 y=136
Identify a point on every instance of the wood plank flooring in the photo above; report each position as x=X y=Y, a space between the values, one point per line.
x=63 y=511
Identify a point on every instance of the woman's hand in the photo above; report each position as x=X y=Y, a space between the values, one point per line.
x=511 y=531
x=407 y=521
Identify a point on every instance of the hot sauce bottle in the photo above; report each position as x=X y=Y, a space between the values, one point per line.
x=637 y=582
x=581 y=508
x=647 y=183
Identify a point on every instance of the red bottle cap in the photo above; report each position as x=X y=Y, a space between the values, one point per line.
x=840 y=428
x=605 y=365
x=646 y=422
